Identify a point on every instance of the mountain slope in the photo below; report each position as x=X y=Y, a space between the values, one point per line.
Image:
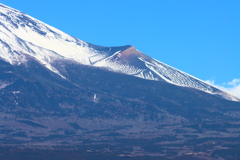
x=23 y=36
x=39 y=109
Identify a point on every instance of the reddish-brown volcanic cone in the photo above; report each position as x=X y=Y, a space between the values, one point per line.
x=130 y=56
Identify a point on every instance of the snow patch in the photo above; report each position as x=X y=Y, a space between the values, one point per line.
x=4 y=84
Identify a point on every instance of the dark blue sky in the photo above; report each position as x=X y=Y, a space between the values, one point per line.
x=199 y=37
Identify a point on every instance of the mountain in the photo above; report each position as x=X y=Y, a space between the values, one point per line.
x=57 y=91
x=23 y=36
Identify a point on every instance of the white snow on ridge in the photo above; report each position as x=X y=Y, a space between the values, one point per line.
x=180 y=78
x=39 y=34
x=118 y=67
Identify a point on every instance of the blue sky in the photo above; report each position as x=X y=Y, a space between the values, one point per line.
x=199 y=37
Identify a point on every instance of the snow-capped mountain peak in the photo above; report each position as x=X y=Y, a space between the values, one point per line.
x=23 y=37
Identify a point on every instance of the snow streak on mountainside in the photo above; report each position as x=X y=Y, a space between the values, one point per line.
x=23 y=38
